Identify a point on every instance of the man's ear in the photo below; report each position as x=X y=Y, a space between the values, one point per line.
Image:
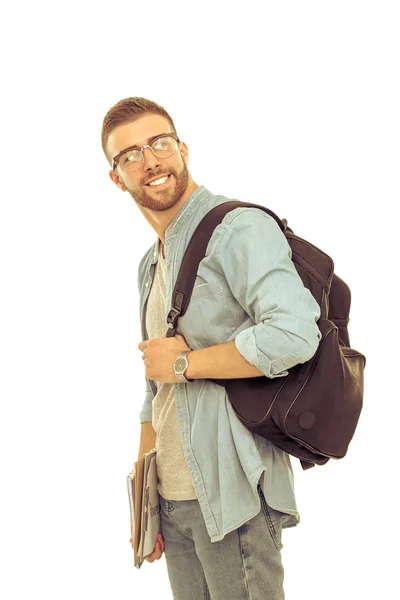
x=184 y=152
x=116 y=179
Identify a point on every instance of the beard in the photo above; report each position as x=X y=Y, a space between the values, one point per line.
x=162 y=200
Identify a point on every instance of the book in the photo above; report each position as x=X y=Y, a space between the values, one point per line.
x=144 y=506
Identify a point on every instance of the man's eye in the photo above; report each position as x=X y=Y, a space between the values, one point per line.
x=161 y=144
x=131 y=156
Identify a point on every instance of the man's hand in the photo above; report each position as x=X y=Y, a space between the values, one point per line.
x=158 y=549
x=159 y=355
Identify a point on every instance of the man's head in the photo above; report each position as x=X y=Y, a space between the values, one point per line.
x=127 y=127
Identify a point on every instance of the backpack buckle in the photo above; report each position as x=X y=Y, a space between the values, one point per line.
x=173 y=317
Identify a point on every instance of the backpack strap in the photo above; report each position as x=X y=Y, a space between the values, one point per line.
x=194 y=254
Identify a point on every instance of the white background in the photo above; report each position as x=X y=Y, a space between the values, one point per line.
x=293 y=105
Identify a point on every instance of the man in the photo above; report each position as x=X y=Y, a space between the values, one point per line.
x=225 y=492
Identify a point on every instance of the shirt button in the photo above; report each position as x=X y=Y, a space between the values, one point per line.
x=147 y=284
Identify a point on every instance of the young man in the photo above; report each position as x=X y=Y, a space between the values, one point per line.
x=225 y=492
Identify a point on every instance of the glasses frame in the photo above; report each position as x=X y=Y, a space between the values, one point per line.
x=141 y=148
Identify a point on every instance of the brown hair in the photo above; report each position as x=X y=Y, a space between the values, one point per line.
x=128 y=111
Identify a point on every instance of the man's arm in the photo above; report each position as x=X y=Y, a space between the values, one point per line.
x=147 y=433
x=255 y=259
x=223 y=361
x=147 y=439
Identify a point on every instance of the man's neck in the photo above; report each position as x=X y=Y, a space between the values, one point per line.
x=160 y=220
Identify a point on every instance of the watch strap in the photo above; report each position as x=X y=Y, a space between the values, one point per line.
x=180 y=376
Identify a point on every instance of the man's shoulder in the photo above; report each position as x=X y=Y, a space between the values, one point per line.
x=239 y=217
x=249 y=212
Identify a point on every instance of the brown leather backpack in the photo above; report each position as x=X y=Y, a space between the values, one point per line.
x=311 y=413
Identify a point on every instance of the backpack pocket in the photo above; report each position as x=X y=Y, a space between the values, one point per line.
x=311 y=413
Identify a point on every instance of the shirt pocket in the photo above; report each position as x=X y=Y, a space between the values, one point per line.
x=206 y=290
x=208 y=319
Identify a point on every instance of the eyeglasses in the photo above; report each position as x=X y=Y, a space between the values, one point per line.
x=132 y=158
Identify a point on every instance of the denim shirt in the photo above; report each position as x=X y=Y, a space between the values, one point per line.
x=248 y=290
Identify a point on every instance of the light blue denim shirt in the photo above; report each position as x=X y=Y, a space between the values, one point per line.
x=247 y=289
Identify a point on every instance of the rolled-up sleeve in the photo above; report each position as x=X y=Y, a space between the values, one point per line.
x=147 y=409
x=255 y=258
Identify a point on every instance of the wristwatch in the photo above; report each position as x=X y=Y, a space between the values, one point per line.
x=180 y=365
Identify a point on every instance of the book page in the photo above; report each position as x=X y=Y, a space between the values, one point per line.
x=153 y=522
x=139 y=467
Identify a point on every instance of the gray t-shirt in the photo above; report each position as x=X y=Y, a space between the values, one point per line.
x=175 y=482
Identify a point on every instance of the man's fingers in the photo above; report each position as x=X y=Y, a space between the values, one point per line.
x=150 y=558
x=158 y=549
x=157 y=552
x=160 y=541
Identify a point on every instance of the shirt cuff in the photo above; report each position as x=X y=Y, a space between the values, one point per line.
x=246 y=345
x=146 y=414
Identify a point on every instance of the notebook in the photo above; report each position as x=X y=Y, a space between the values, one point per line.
x=144 y=506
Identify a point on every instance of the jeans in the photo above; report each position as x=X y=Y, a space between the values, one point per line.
x=245 y=564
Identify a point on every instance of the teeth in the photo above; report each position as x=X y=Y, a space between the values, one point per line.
x=159 y=181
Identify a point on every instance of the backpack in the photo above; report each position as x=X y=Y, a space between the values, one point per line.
x=312 y=412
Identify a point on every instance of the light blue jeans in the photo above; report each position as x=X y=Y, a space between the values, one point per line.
x=245 y=564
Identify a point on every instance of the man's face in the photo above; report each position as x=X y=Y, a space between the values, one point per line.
x=159 y=197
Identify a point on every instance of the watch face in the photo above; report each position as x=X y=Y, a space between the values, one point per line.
x=180 y=364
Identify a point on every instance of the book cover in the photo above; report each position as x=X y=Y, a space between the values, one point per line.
x=144 y=506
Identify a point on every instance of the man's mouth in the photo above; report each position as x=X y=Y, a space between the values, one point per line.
x=159 y=181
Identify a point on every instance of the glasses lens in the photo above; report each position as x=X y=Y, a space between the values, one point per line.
x=164 y=147
x=131 y=160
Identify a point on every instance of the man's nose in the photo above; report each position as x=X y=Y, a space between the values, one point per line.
x=150 y=161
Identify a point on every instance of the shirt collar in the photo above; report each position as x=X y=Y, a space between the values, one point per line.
x=185 y=212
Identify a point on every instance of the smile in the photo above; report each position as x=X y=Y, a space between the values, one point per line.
x=160 y=181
